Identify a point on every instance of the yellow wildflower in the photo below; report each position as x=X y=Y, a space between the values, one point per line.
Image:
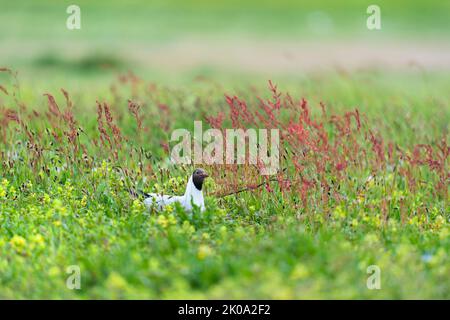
x=223 y=231
x=205 y=236
x=204 y=251
x=439 y=222
x=5 y=183
x=340 y=213
x=37 y=240
x=171 y=219
x=83 y=202
x=188 y=228
x=54 y=271
x=414 y=221
x=46 y=199
x=116 y=281
x=162 y=221
x=299 y=272
x=137 y=206
x=360 y=197
x=18 y=242
x=3 y=187
x=58 y=206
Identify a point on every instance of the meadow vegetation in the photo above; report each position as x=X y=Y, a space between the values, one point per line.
x=363 y=181
x=364 y=159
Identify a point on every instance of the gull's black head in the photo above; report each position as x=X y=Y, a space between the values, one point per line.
x=198 y=177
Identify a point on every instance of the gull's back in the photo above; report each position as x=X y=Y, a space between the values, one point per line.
x=160 y=201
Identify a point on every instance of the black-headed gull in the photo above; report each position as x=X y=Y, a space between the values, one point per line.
x=192 y=196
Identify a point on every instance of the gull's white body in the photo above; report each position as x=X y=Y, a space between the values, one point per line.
x=191 y=196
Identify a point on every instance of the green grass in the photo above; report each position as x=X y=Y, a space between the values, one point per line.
x=61 y=213
x=63 y=206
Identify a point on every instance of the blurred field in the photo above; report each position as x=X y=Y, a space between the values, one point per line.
x=63 y=192
x=159 y=34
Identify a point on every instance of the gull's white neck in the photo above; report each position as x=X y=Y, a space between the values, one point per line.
x=193 y=193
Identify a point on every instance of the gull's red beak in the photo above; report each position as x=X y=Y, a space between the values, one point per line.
x=205 y=175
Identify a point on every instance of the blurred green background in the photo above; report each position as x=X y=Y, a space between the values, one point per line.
x=176 y=39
